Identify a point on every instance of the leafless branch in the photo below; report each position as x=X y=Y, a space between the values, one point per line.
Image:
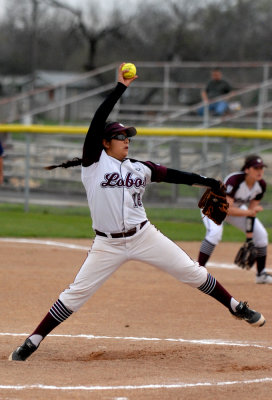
x=59 y=4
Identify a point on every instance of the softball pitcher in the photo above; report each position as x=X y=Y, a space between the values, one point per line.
x=115 y=185
x=245 y=189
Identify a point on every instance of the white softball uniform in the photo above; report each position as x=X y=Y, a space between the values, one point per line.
x=114 y=191
x=242 y=195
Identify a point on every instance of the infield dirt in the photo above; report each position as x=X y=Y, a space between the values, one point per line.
x=138 y=302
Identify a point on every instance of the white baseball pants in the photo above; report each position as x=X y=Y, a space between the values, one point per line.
x=148 y=245
x=214 y=232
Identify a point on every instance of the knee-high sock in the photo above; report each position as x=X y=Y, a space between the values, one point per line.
x=261 y=259
x=205 y=252
x=57 y=314
x=216 y=290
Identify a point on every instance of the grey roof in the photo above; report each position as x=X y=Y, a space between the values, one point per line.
x=49 y=78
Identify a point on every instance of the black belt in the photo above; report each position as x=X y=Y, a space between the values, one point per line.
x=122 y=234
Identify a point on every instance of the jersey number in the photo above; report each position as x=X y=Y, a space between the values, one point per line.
x=137 y=200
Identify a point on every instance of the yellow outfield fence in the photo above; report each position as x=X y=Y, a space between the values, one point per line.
x=144 y=131
x=214 y=152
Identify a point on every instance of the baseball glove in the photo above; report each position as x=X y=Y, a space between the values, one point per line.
x=214 y=204
x=246 y=256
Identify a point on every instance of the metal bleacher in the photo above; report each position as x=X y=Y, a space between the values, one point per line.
x=164 y=94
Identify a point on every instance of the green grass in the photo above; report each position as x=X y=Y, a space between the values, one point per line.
x=44 y=222
x=75 y=222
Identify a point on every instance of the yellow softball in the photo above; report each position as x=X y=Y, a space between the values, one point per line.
x=132 y=70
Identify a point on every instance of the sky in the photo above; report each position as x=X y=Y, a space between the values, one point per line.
x=104 y=3
x=127 y=5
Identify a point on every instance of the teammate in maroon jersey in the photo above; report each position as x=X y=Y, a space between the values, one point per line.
x=245 y=189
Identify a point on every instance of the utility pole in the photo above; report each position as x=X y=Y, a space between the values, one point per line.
x=30 y=101
x=34 y=44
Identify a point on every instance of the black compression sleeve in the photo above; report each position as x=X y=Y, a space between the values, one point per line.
x=190 y=178
x=92 y=147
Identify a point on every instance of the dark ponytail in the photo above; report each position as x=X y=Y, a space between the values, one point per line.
x=67 y=164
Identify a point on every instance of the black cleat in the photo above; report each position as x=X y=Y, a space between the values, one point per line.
x=23 y=352
x=254 y=318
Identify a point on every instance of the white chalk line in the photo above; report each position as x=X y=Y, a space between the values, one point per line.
x=85 y=248
x=180 y=385
x=211 y=264
x=45 y=243
x=215 y=342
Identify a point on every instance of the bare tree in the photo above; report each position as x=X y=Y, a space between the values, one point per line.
x=61 y=36
x=94 y=29
x=34 y=39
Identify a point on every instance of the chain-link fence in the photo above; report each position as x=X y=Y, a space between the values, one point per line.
x=26 y=155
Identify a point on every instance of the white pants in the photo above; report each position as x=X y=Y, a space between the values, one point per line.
x=214 y=232
x=148 y=245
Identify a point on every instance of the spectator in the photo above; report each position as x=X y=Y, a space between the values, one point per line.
x=216 y=87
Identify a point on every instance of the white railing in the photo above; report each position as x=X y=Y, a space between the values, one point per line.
x=162 y=78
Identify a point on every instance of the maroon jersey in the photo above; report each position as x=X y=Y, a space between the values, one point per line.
x=240 y=192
